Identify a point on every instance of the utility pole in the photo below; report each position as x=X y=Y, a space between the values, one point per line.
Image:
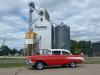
x=4 y=41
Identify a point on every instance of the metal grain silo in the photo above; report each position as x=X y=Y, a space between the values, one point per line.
x=62 y=37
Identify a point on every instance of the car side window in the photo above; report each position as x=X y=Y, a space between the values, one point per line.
x=56 y=52
x=49 y=52
x=65 y=53
x=45 y=51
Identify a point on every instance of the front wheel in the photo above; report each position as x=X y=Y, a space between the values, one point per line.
x=39 y=65
x=72 y=64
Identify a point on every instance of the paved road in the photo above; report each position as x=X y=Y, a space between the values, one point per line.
x=83 y=69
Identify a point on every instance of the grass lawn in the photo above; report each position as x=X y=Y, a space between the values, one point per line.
x=9 y=62
x=92 y=60
x=12 y=65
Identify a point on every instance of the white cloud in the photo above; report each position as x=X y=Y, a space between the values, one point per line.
x=83 y=17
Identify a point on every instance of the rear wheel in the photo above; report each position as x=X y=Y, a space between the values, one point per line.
x=72 y=64
x=39 y=65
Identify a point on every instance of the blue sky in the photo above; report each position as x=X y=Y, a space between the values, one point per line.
x=83 y=17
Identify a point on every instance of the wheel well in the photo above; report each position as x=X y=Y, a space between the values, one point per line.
x=72 y=61
x=42 y=62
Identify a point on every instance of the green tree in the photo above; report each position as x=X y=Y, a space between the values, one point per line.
x=20 y=52
x=5 y=50
x=13 y=52
x=73 y=45
x=80 y=46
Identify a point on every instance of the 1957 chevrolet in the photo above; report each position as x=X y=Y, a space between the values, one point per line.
x=53 y=57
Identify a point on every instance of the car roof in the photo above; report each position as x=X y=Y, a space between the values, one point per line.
x=59 y=50
x=56 y=50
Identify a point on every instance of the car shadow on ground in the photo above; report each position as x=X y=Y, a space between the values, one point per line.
x=57 y=67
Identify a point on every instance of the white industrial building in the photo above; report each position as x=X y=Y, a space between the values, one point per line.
x=49 y=36
x=43 y=29
x=44 y=34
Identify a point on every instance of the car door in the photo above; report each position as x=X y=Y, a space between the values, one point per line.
x=55 y=58
x=65 y=56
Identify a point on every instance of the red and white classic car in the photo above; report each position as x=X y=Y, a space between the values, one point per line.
x=53 y=57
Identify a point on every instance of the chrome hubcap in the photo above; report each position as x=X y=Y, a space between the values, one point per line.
x=39 y=65
x=73 y=64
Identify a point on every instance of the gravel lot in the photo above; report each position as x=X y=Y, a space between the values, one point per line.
x=82 y=69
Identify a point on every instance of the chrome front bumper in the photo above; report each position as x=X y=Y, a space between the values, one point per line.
x=29 y=62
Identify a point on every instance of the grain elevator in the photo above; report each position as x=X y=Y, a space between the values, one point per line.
x=48 y=36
